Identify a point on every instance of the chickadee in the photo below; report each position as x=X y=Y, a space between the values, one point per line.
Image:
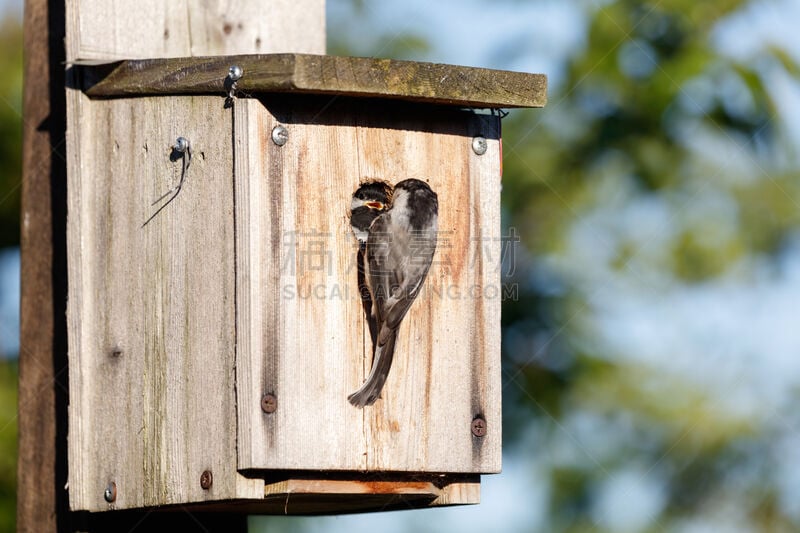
x=399 y=250
x=370 y=200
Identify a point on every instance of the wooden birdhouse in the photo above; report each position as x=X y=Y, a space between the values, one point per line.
x=217 y=322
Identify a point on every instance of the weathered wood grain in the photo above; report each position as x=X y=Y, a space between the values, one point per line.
x=131 y=29
x=302 y=334
x=151 y=309
x=316 y=74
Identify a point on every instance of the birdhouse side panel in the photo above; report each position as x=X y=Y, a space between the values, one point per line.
x=304 y=343
x=151 y=303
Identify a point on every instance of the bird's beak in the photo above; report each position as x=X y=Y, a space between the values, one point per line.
x=374 y=205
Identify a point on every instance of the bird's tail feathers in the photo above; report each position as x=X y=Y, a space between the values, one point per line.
x=370 y=391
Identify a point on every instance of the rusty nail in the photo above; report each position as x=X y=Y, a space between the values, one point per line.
x=206 y=479
x=110 y=494
x=269 y=403
x=479 y=426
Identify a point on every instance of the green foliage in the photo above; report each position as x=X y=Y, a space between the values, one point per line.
x=10 y=129
x=649 y=114
x=8 y=445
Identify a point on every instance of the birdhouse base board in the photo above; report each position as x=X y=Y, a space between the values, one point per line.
x=345 y=495
x=337 y=496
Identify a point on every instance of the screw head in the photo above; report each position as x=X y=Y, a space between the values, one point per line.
x=235 y=72
x=110 y=494
x=280 y=135
x=479 y=145
x=206 y=479
x=269 y=403
x=479 y=426
x=181 y=144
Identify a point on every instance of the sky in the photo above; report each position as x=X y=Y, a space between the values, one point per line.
x=14 y=5
x=9 y=302
x=477 y=33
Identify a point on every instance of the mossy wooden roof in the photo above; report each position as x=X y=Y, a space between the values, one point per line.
x=318 y=74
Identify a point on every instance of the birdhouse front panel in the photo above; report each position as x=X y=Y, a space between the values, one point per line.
x=317 y=308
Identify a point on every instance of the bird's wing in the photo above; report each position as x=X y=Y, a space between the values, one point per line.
x=364 y=292
x=378 y=257
x=397 y=268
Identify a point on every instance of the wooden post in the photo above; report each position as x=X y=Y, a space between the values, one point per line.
x=42 y=467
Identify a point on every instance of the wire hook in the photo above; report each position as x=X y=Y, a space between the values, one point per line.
x=182 y=150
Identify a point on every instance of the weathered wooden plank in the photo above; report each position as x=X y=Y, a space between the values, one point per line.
x=302 y=334
x=316 y=74
x=452 y=343
x=128 y=29
x=292 y=203
x=151 y=308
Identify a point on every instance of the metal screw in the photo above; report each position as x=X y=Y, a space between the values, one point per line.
x=479 y=426
x=206 y=479
x=280 y=135
x=181 y=145
x=479 y=145
x=235 y=72
x=269 y=403
x=110 y=494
